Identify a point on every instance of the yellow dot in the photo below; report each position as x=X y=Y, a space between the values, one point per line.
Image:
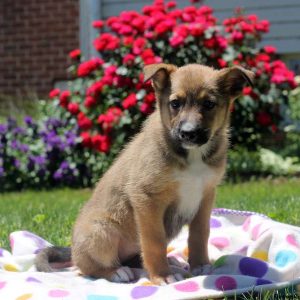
x=186 y=252
x=170 y=248
x=147 y=283
x=11 y=268
x=260 y=254
x=24 y=297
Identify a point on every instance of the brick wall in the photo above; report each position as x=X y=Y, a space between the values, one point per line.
x=35 y=38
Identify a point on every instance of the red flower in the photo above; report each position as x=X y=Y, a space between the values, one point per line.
x=89 y=102
x=222 y=63
x=210 y=43
x=128 y=41
x=263 y=26
x=101 y=143
x=110 y=118
x=146 y=108
x=247 y=28
x=75 y=54
x=196 y=29
x=205 y=10
x=84 y=122
x=247 y=90
x=274 y=128
x=54 y=93
x=73 y=108
x=263 y=57
x=176 y=40
x=139 y=23
x=106 y=41
x=96 y=88
x=264 y=118
x=128 y=59
x=129 y=101
x=98 y=24
x=86 y=139
x=270 y=49
x=138 y=45
x=252 y=18
x=278 y=78
x=125 y=30
x=150 y=98
x=89 y=66
x=171 y=4
x=237 y=36
x=64 y=98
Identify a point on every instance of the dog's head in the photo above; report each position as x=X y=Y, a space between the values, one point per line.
x=194 y=100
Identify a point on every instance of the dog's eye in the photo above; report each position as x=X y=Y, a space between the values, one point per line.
x=208 y=104
x=175 y=104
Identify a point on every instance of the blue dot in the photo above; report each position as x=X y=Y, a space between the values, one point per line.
x=261 y=281
x=101 y=297
x=284 y=257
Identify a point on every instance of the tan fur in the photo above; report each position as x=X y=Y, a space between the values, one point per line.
x=137 y=206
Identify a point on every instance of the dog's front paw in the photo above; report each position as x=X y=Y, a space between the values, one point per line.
x=202 y=270
x=164 y=280
x=123 y=274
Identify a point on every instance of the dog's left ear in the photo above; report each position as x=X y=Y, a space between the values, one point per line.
x=160 y=74
x=232 y=80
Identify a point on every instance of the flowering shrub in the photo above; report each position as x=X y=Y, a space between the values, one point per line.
x=109 y=98
x=46 y=153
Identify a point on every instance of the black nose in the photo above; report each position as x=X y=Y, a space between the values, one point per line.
x=188 y=135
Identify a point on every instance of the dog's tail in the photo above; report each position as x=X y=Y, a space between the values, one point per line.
x=53 y=258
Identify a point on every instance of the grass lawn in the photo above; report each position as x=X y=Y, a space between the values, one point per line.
x=51 y=214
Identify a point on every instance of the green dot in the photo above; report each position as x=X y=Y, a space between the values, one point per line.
x=220 y=261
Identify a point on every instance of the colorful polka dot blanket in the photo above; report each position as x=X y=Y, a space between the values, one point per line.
x=249 y=252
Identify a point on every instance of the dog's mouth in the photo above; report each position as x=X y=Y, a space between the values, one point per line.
x=190 y=140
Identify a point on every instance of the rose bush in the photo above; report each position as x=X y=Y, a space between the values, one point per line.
x=109 y=98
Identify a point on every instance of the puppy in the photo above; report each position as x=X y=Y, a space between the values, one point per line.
x=164 y=178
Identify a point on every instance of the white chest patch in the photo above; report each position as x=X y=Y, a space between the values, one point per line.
x=191 y=184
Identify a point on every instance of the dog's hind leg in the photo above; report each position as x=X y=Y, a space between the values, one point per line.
x=98 y=255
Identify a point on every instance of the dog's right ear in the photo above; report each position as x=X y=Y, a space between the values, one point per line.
x=159 y=74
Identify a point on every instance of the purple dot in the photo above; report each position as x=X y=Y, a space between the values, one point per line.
x=261 y=281
x=1 y=252
x=32 y=279
x=225 y=283
x=139 y=292
x=253 y=267
x=214 y=223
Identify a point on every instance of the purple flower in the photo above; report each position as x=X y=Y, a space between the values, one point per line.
x=28 y=121
x=58 y=174
x=1 y=172
x=53 y=123
x=17 y=163
x=19 y=131
x=40 y=160
x=64 y=165
x=11 y=123
x=24 y=148
x=14 y=145
x=3 y=128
